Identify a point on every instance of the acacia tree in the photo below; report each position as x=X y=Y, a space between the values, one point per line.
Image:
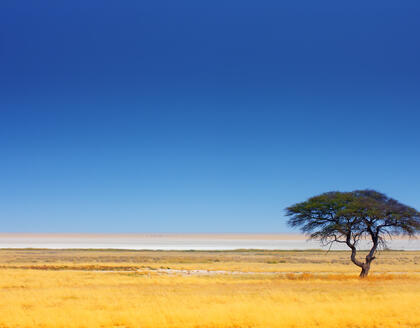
x=349 y=217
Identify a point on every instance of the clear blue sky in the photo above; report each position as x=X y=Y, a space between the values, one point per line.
x=202 y=116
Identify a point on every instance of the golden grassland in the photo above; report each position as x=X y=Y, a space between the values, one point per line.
x=104 y=288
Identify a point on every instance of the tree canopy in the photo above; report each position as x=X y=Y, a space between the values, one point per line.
x=349 y=217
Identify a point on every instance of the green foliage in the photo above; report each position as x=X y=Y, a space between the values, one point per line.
x=338 y=215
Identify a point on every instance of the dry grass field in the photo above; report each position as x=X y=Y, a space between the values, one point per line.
x=104 y=288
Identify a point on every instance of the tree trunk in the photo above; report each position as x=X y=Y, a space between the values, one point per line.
x=366 y=266
x=369 y=258
x=365 y=270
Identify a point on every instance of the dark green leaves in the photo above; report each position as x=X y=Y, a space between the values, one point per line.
x=338 y=215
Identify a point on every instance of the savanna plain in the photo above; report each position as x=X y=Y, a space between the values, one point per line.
x=243 y=288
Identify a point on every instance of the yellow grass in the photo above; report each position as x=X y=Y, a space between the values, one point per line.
x=75 y=289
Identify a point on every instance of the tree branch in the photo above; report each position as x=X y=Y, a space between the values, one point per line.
x=353 y=251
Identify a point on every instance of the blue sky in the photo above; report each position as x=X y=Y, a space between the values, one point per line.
x=193 y=116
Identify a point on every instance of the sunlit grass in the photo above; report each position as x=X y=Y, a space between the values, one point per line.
x=295 y=295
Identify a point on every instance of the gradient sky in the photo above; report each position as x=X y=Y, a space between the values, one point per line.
x=202 y=116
